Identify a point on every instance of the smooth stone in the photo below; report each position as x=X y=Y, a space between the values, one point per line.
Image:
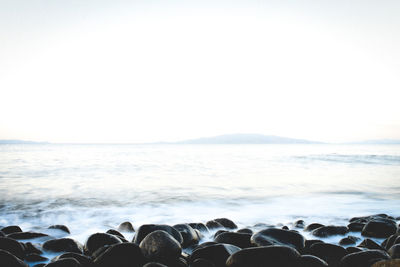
x=228 y=224
x=160 y=246
x=9 y=260
x=245 y=231
x=60 y=227
x=299 y=224
x=68 y=262
x=126 y=227
x=312 y=261
x=26 y=235
x=121 y=255
x=205 y=244
x=390 y=241
x=355 y=226
x=98 y=240
x=202 y=263
x=146 y=229
x=217 y=254
x=312 y=227
x=363 y=258
x=394 y=251
x=370 y=244
x=349 y=240
x=33 y=257
x=219 y=232
x=213 y=225
x=381 y=228
x=63 y=245
x=330 y=230
x=353 y=250
x=387 y=263
x=154 y=264
x=11 y=229
x=85 y=261
x=241 y=240
x=274 y=236
x=330 y=253
x=199 y=226
x=39 y=265
x=116 y=233
x=30 y=248
x=189 y=235
x=12 y=246
x=282 y=256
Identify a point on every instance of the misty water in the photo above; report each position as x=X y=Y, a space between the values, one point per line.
x=93 y=188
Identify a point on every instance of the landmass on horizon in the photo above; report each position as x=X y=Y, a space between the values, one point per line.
x=237 y=139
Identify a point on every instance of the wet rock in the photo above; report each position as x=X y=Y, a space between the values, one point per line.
x=202 y=263
x=63 y=245
x=285 y=228
x=199 y=226
x=126 y=227
x=312 y=261
x=146 y=229
x=330 y=253
x=241 y=240
x=189 y=235
x=2 y=234
x=353 y=249
x=228 y=224
x=219 y=232
x=381 y=228
x=33 y=257
x=394 y=251
x=313 y=226
x=217 y=254
x=387 y=263
x=160 y=246
x=264 y=256
x=370 y=244
x=212 y=225
x=275 y=236
x=82 y=259
x=121 y=255
x=26 y=235
x=326 y=231
x=390 y=241
x=245 y=231
x=30 y=248
x=299 y=224
x=68 y=262
x=11 y=229
x=363 y=258
x=98 y=240
x=349 y=240
x=205 y=244
x=154 y=264
x=309 y=243
x=116 y=233
x=9 y=260
x=60 y=227
x=39 y=265
x=356 y=226
x=12 y=246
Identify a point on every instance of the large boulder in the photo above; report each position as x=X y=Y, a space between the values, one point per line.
x=146 y=229
x=228 y=224
x=67 y=262
x=85 y=261
x=189 y=235
x=121 y=255
x=26 y=235
x=62 y=245
x=364 y=258
x=332 y=254
x=98 y=240
x=274 y=236
x=277 y=256
x=11 y=229
x=394 y=251
x=213 y=225
x=390 y=241
x=216 y=254
x=241 y=240
x=9 y=260
x=312 y=227
x=379 y=228
x=199 y=226
x=160 y=246
x=370 y=244
x=126 y=227
x=330 y=230
x=12 y=246
x=312 y=261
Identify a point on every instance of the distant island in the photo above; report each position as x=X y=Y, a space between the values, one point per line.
x=247 y=139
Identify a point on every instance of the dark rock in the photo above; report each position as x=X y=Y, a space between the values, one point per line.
x=154 y=264
x=68 y=262
x=202 y=263
x=387 y=263
x=217 y=254
x=99 y=240
x=11 y=229
x=60 y=227
x=394 y=251
x=241 y=240
x=353 y=250
x=312 y=261
x=146 y=229
x=264 y=256
x=116 y=233
x=390 y=241
x=126 y=227
x=219 y=232
x=30 y=248
x=313 y=226
x=2 y=234
x=326 y=231
x=299 y=224
x=12 y=246
x=25 y=235
x=199 y=226
x=363 y=258
x=309 y=243
x=39 y=265
x=63 y=245
x=228 y=224
x=370 y=244
x=285 y=227
x=381 y=228
x=212 y=225
x=330 y=253
x=349 y=240
x=33 y=257
x=160 y=246
x=9 y=260
x=205 y=244
x=121 y=255
x=189 y=235
x=356 y=226
x=273 y=236
x=245 y=231
x=82 y=259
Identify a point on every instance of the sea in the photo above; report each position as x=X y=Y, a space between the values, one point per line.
x=92 y=188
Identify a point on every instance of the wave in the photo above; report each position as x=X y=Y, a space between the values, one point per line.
x=354 y=158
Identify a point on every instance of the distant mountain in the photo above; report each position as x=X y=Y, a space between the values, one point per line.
x=247 y=139
x=380 y=142
x=20 y=142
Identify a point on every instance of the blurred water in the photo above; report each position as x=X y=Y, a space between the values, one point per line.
x=95 y=187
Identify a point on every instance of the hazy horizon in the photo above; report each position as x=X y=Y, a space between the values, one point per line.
x=148 y=71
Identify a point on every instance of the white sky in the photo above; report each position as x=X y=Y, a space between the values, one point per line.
x=143 y=71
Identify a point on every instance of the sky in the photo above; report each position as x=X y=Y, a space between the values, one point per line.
x=144 y=71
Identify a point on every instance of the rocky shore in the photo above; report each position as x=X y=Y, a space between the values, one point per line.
x=365 y=241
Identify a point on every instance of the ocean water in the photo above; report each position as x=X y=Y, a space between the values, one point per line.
x=93 y=188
